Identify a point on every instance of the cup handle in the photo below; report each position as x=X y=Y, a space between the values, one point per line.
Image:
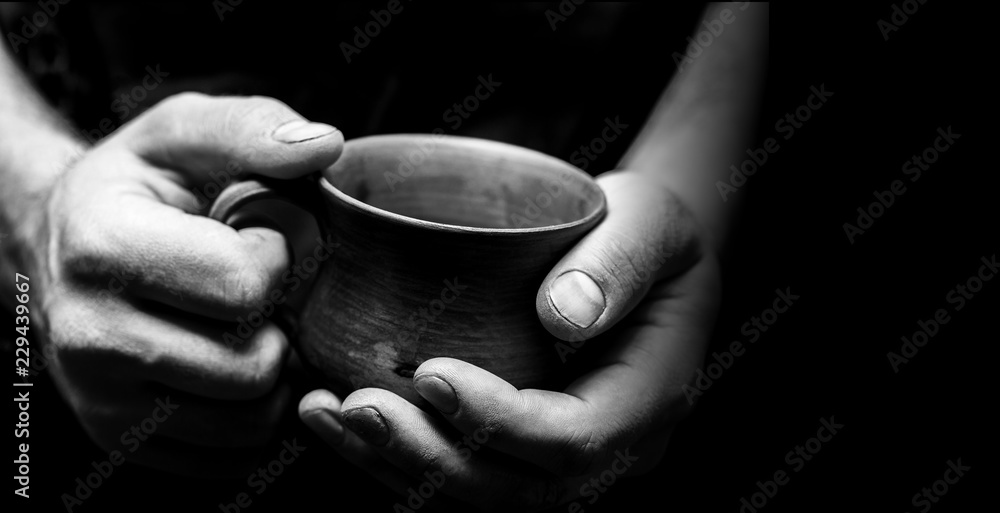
x=287 y=206
x=235 y=204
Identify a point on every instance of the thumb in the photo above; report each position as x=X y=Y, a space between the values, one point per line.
x=647 y=235
x=197 y=134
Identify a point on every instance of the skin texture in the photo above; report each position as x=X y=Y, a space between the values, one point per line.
x=76 y=218
x=134 y=288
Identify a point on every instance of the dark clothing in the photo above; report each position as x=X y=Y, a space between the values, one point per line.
x=367 y=70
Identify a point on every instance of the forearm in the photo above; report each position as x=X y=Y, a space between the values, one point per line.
x=702 y=122
x=35 y=145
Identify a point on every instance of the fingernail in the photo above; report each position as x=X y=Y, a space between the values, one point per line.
x=300 y=131
x=577 y=298
x=325 y=424
x=438 y=392
x=367 y=423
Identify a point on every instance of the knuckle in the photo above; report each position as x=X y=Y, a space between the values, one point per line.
x=255 y=118
x=492 y=424
x=162 y=115
x=82 y=247
x=257 y=104
x=69 y=328
x=620 y=263
x=255 y=109
x=257 y=383
x=244 y=286
x=84 y=344
x=166 y=117
x=182 y=100
x=263 y=375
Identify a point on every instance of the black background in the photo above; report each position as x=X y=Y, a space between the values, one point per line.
x=825 y=357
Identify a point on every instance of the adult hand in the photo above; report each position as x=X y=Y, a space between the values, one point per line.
x=645 y=285
x=137 y=287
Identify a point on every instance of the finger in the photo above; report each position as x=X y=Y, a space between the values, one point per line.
x=428 y=450
x=154 y=169
x=194 y=359
x=199 y=134
x=175 y=350
x=637 y=389
x=320 y=410
x=191 y=263
x=551 y=430
x=161 y=252
x=646 y=235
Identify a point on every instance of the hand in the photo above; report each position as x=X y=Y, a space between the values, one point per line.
x=644 y=286
x=139 y=287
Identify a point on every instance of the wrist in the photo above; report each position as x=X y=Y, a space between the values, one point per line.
x=29 y=170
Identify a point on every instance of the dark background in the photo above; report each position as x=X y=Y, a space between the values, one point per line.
x=825 y=357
